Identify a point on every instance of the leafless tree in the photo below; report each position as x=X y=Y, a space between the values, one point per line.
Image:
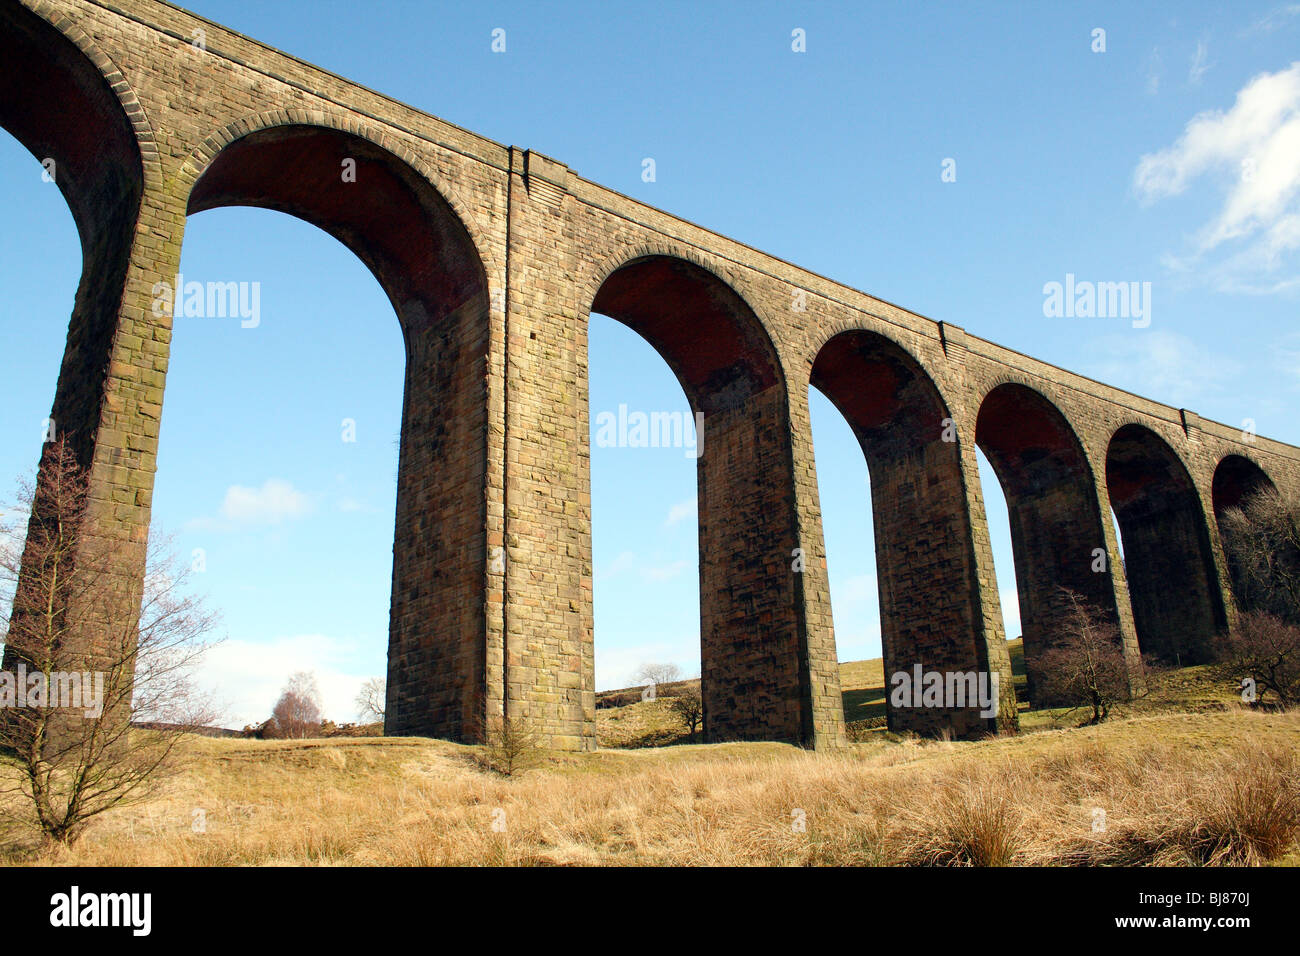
x=97 y=687
x=1085 y=667
x=1263 y=653
x=371 y=700
x=297 y=713
x=689 y=706
x=658 y=674
x=1261 y=538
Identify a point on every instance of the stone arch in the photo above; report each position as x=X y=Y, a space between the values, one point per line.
x=725 y=357
x=1058 y=538
x=64 y=99
x=753 y=650
x=1236 y=479
x=202 y=156
x=1177 y=604
x=930 y=601
x=426 y=259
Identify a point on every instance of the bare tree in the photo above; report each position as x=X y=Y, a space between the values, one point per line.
x=1085 y=667
x=689 y=706
x=97 y=689
x=657 y=674
x=1263 y=653
x=297 y=713
x=371 y=700
x=1261 y=538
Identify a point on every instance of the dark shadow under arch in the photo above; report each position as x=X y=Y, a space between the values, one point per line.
x=1177 y=605
x=1058 y=540
x=930 y=602
x=1237 y=479
x=753 y=653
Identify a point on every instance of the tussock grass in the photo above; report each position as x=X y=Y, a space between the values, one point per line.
x=1207 y=788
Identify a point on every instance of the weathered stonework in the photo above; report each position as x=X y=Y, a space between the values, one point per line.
x=494 y=258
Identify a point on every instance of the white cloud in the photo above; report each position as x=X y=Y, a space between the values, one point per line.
x=274 y=503
x=1275 y=19
x=1199 y=65
x=1254 y=149
x=680 y=512
x=1154 y=66
x=246 y=677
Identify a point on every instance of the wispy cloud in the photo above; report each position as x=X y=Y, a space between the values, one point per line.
x=1200 y=65
x=1254 y=148
x=623 y=562
x=1154 y=67
x=1275 y=19
x=665 y=572
x=1158 y=362
x=680 y=512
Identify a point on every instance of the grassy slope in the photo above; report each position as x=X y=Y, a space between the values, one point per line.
x=1172 y=785
x=1186 y=774
x=862 y=683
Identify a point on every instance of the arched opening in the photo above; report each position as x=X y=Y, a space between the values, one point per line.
x=423 y=257
x=644 y=521
x=40 y=262
x=930 y=606
x=752 y=662
x=997 y=518
x=1237 y=479
x=58 y=104
x=277 y=459
x=1057 y=536
x=1177 y=606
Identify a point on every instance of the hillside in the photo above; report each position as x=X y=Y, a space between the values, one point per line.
x=624 y=720
x=1185 y=775
x=1208 y=787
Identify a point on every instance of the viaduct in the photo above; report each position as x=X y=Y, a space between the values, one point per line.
x=493 y=258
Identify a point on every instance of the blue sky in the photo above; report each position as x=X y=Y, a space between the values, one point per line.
x=1173 y=157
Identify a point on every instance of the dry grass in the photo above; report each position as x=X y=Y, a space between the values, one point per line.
x=1213 y=788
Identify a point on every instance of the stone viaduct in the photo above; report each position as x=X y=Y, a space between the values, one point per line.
x=493 y=258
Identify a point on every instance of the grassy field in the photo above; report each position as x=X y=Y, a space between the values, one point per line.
x=1186 y=775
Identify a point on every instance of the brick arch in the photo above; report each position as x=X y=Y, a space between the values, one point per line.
x=425 y=257
x=1057 y=530
x=753 y=647
x=930 y=602
x=1178 y=606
